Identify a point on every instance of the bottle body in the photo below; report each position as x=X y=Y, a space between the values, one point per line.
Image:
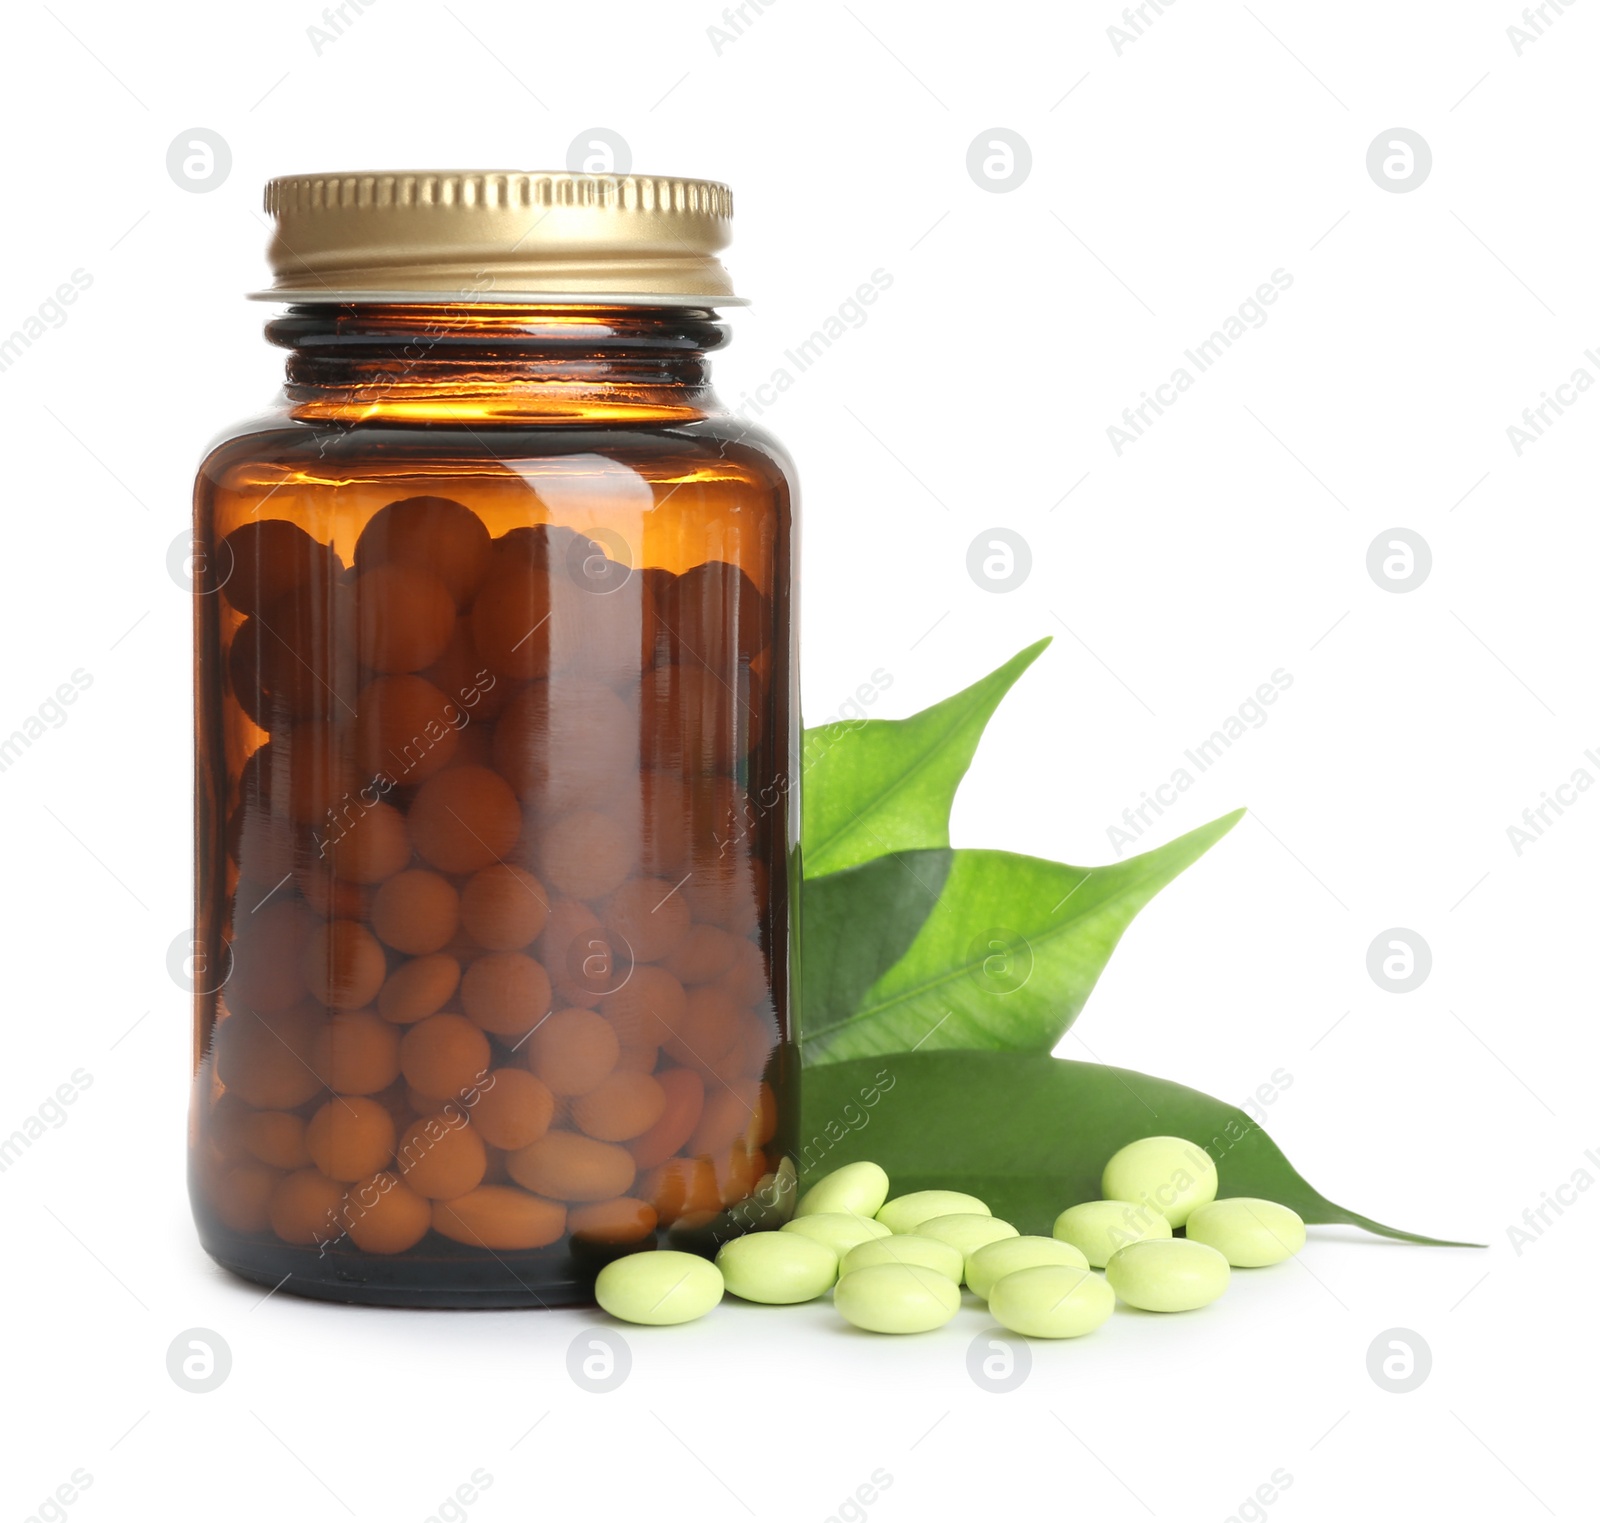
x=496 y=832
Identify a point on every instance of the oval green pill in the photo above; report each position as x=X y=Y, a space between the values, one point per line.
x=1097 y=1228
x=777 y=1268
x=1247 y=1232
x=840 y=1230
x=906 y=1213
x=1169 y=1174
x=905 y=1248
x=966 y=1231
x=1051 y=1301
x=659 y=1287
x=1168 y=1276
x=858 y=1188
x=897 y=1298
x=1009 y=1254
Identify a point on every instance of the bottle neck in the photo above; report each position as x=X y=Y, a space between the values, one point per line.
x=475 y=362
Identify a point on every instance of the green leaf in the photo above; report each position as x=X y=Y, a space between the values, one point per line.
x=1007 y=957
x=1030 y=1134
x=885 y=785
x=855 y=925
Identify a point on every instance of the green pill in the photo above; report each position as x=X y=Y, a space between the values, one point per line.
x=1248 y=1233
x=907 y=1213
x=897 y=1298
x=1098 y=1228
x=1051 y=1301
x=777 y=1268
x=966 y=1231
x=659 y=1287
x=905 y=1248
x=1009 y=1254
x=840 y=1230
x=1169 y=1174
x=1168 y=1276
x=858 y=1188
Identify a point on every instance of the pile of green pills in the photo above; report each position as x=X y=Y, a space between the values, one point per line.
x=898 y=1264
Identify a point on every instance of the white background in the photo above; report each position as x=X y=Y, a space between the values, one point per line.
x=1167 y=182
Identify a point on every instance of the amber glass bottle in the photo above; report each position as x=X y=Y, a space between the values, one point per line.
x=496 y=730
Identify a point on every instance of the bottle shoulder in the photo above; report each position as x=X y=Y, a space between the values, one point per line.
x=717 y=446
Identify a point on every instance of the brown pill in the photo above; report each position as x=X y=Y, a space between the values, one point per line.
x=243 y=1196
x=266 y=1061
x=503 y=908
x=464 y=818
x=704 y=955
x=277 y=1138
x=332 y=898
x=564 y=1166
x=300 y=655
x=223 y=1130
x=461 y=675
x=648 y=1009
x=732 y=1113
x=418 y=988
x=366 y=843
x=404 y=618
x=306 y=1207
x=572 y=1051
x=587 y=854
x=621 y=1107
x=443 y=1054
x=717 y=613
x=623 y=1220
x=357 y=1053
x=513 y=1108
x=405 y=729
x=441 y=1156
x=343 y=965
x=267 y=558
x=683 y=1187
x=684 y=1093
x=510 y=619
x=416 y=911
x=266 y=951
x=507 y=993
x=433 y=534
x=350 y=1137
x=577 y=954
x=382 y=1215
x=498 y=1217
x=321 y=769
x=566 y=744
x=649 y=916
x=532 y=546
x=709 y=1028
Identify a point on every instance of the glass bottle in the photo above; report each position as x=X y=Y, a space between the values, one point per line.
x=497 y=721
